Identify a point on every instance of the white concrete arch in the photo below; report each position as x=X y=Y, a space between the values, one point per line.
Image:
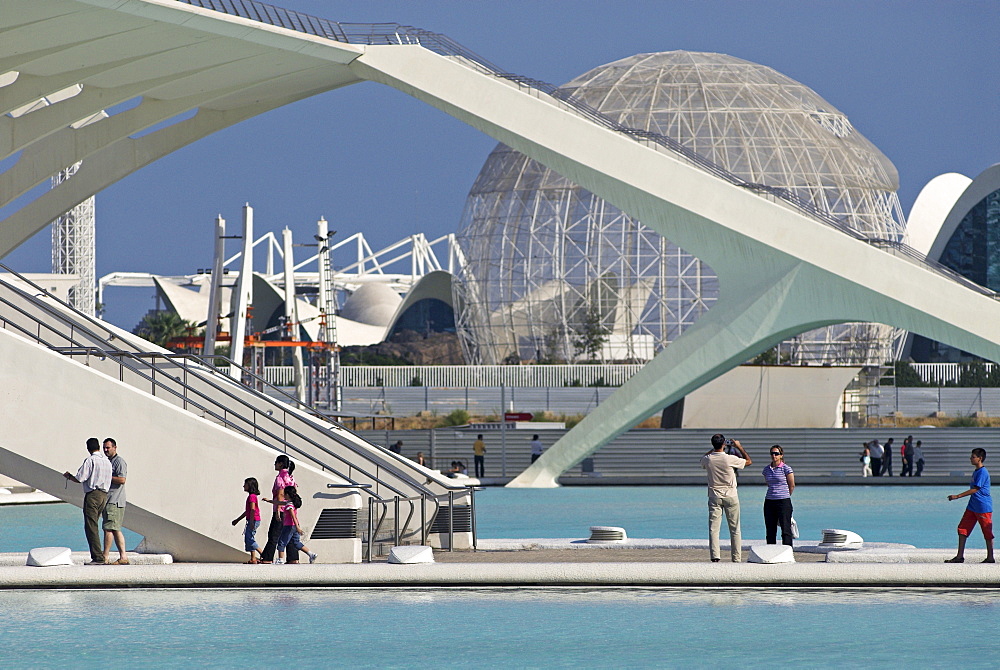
x=781 y=271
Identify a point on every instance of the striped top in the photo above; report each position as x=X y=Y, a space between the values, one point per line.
x=777 y=481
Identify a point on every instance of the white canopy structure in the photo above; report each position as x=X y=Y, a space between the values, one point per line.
x=784 y=267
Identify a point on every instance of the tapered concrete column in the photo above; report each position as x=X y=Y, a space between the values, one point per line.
x=292 y=313
x=215 y=288
x=243 y=295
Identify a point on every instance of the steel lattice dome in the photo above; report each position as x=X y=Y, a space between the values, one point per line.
x=547 y=263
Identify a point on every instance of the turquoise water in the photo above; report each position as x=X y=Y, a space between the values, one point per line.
x=918 y=515
x=520 y=628
x=523 y=628
x=23 y=527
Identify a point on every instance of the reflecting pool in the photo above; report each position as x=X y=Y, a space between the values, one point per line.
x=464 y=628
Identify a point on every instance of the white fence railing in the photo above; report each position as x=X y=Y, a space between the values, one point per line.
x=461 y=376
x=525 y=376
x=941 y=373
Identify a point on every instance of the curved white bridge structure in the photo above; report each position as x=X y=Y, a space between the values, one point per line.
x=782 y=268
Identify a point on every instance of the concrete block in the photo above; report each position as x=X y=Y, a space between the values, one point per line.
x=602 y=534
x=411 y=554
x=43 y=557
x=771 y=553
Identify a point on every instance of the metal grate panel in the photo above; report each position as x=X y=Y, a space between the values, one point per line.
x=335 y=524
x=463 y=519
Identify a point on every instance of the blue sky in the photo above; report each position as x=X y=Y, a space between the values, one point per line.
x=920 y=79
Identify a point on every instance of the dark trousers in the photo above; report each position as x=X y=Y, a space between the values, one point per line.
x=480 y=462
x=876 y=467
x=93 y=508
x=907 y=468
x=887 y=466
x=920 y=466
x=273 y=533
x=535 y=457
x=778 y=513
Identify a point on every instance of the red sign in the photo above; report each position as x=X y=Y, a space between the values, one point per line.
x=518 y=416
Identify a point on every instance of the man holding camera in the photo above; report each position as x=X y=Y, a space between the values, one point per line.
x=722 y=496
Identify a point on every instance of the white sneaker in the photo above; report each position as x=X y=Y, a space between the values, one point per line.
x=312 y=558
x=279 y=561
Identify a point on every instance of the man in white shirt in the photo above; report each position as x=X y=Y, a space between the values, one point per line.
x=722 y=496
x=876 y=451
x=537 y=448
x=95 y=476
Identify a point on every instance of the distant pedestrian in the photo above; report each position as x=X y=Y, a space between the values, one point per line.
x=537 y=448
x=778 y=500
x=95 y=476
x=397 y=448
x=979 y=510
x=907 y=453
x=722 y=495
x=113 y=518
x=866 y=460
x=887 y=458
x=291 y=530
x=479 y=456
x=252 y=515
x=876 y=451
x=918 y=457
x=420 y=459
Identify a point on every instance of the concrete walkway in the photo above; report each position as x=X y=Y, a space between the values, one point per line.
x=479 y=575
x=535 y=563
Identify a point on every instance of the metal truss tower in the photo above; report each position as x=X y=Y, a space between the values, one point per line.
x=74 y=248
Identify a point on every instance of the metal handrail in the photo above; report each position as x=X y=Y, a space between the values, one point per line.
x=140 y=365
x=374 y=528
x=97 y=324
x=396 y=34
x=210 y=370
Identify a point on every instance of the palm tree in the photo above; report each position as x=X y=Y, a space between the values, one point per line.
x=162 y=326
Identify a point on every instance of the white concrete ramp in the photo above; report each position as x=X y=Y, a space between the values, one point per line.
x=190 y=437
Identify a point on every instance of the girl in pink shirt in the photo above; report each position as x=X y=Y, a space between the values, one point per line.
x=291 y=531
x=252 y=515
x=284 y=467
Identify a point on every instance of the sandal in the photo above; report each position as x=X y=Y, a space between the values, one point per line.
x=121 y=561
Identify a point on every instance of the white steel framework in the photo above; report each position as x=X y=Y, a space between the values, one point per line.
x=354 y=263
x=74 y=248
x=548 y=260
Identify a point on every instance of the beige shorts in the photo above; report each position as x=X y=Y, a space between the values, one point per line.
x=113 y=517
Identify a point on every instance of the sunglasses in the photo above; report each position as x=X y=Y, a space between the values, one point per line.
x=776 y=453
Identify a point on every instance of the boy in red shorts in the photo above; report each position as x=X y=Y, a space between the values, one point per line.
x=980 y=508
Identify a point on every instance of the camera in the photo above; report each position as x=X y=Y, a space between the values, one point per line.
x=729 y=443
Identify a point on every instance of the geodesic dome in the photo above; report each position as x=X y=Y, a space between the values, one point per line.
x=554 y=273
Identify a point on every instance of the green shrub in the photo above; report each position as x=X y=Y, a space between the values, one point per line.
x=458 y=417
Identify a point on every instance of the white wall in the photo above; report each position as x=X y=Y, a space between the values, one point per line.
x=753 y=396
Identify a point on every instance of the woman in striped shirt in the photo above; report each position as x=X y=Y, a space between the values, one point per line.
x=778 y=501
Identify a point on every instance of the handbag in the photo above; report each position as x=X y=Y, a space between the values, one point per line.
x=795 y=529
